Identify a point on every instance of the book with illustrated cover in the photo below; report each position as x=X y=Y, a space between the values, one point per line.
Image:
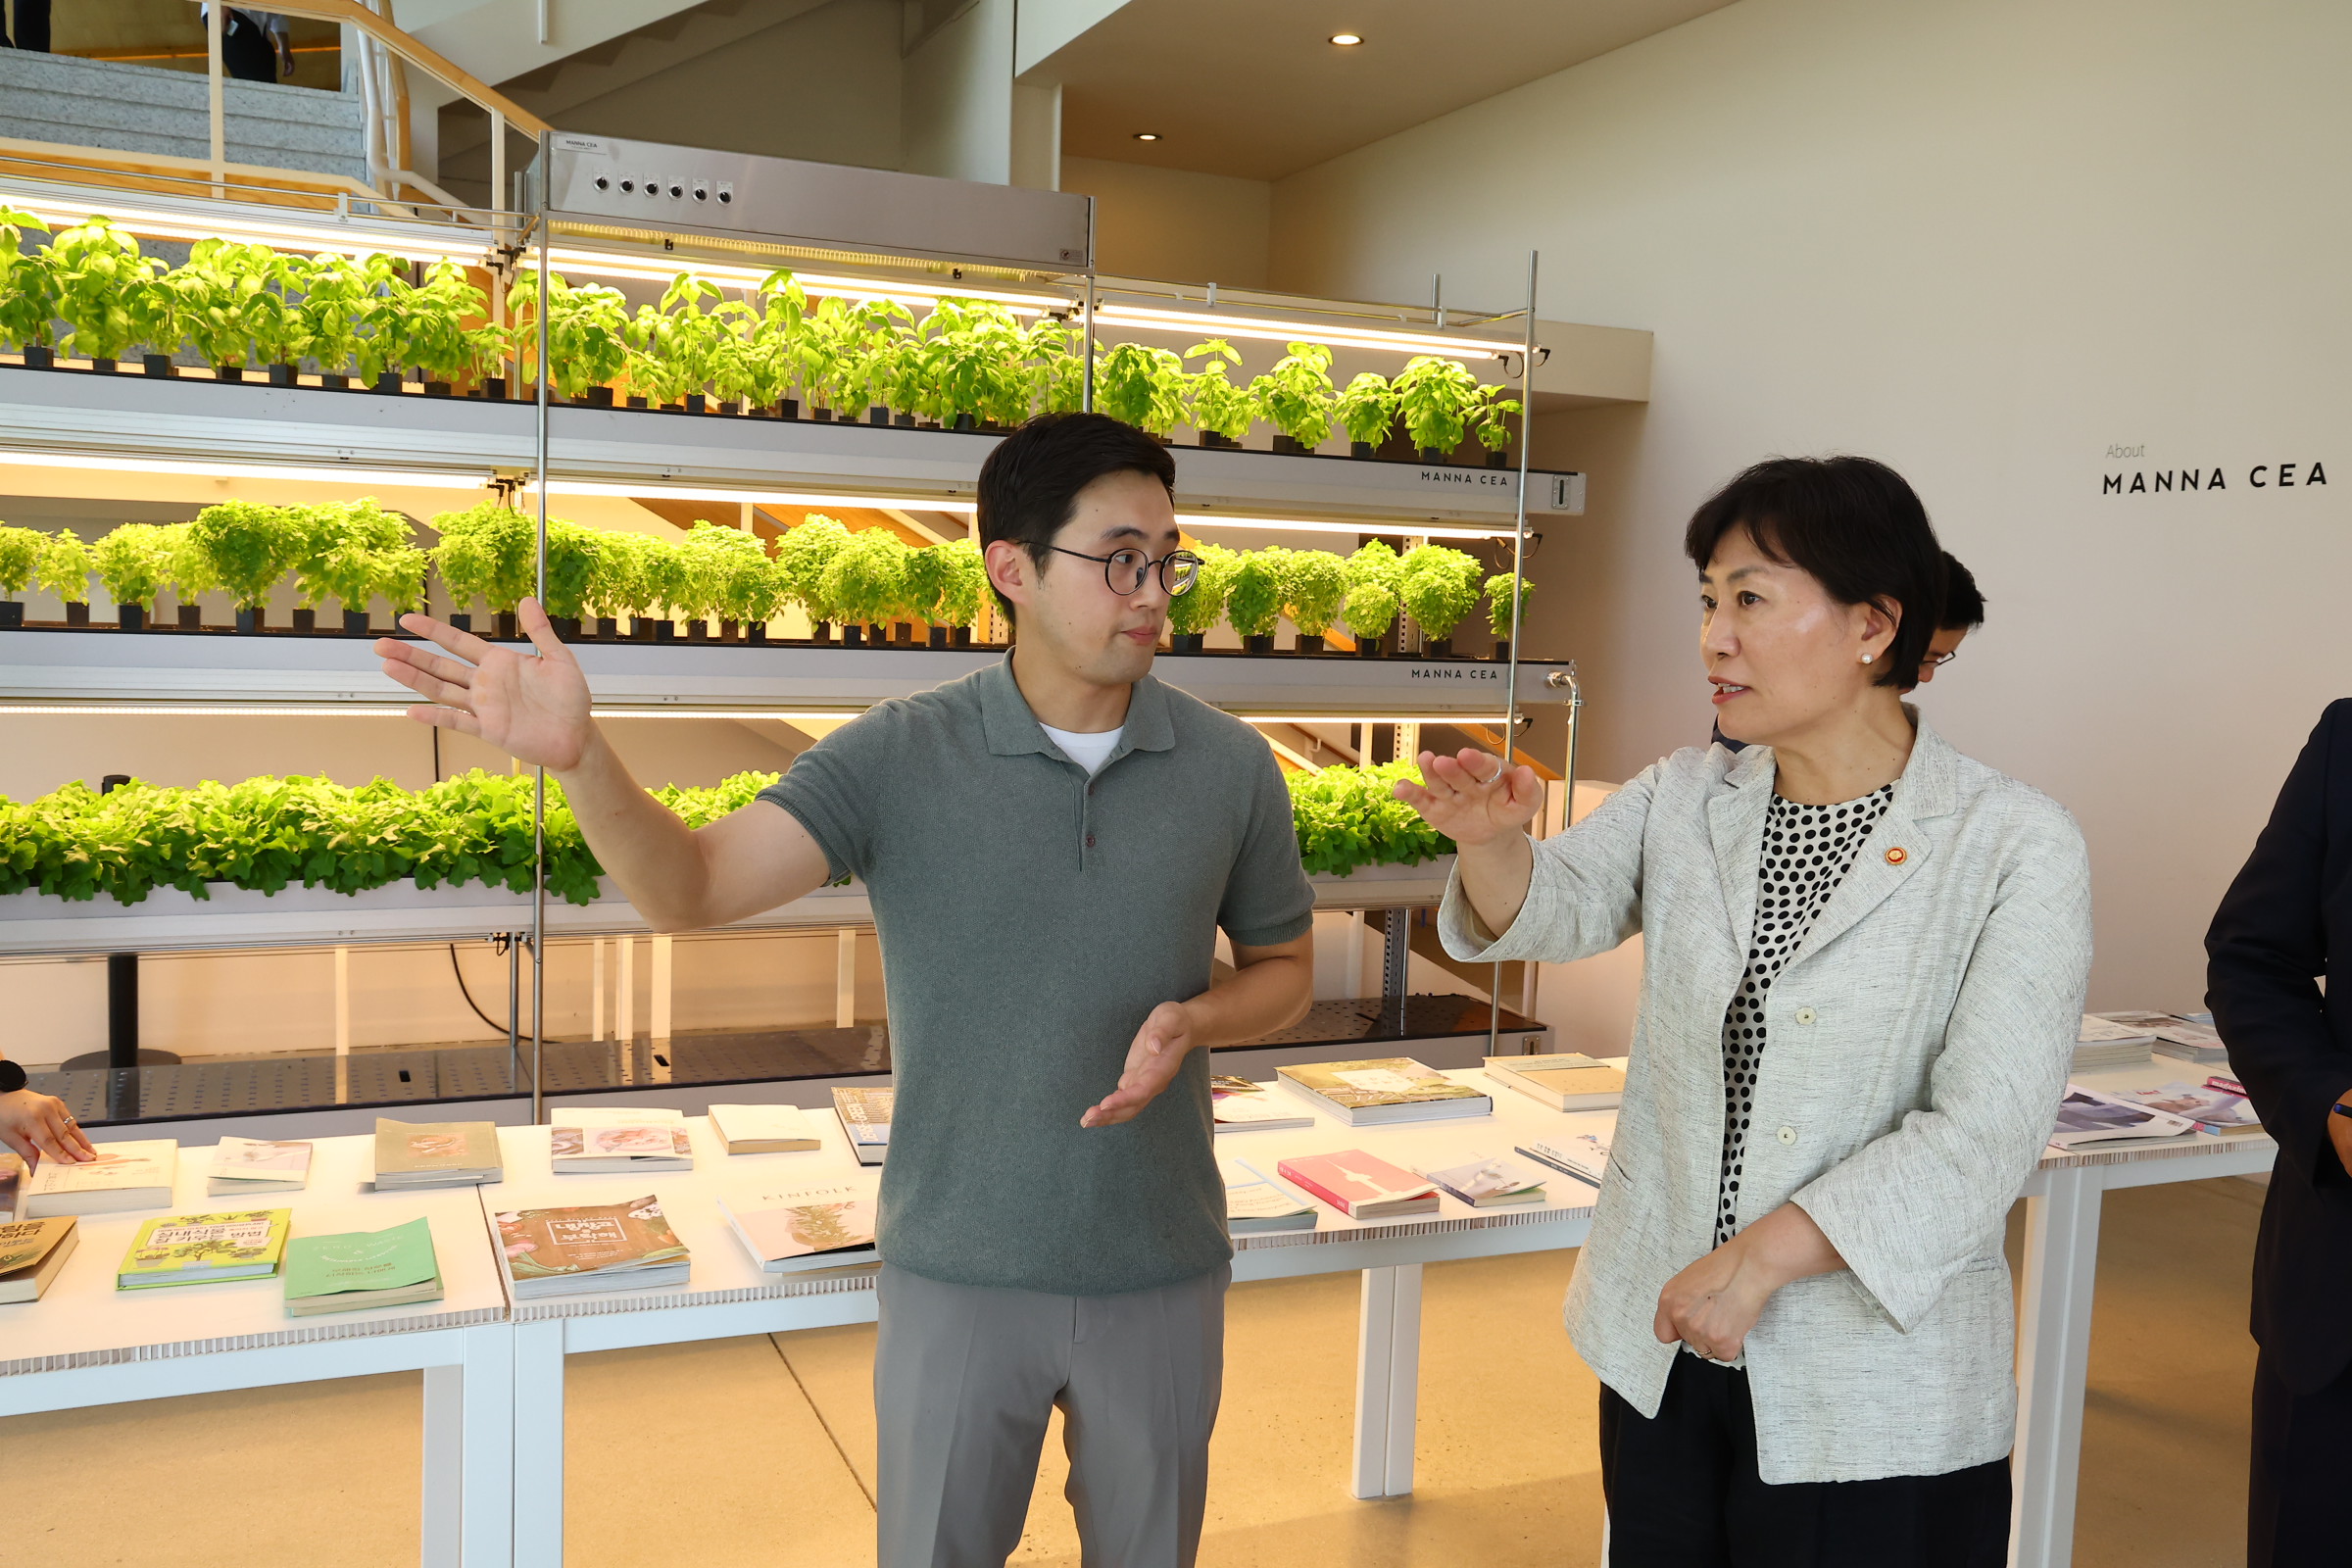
x=12 y=1186
x=2086 y=1117
x=865 y=1116
x=603 y=1142
x=802 y=1229
x=764 y=1129
x=602 y=1247
x=243 y=1165
x=1360 y=1186
x=1383 y=1089
x=32 y=1251
x=1566 y=1080
x=123 y=1176
x=435 y=1154
x=2192 y=1039
x=1257 y=1206
x=1583 y=1155
x=364 y=1269
x=2218 y=1105
x=1237 y=1103
x=205 y=1249
x=1488 y=1181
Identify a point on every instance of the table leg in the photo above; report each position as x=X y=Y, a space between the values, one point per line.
x=2053 y=1364
x=443 y=1529
x=539 y=1444
x=1387 y=1378
x=483 y=1421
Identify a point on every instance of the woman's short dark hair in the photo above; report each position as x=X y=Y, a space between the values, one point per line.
x=1029 y=485
x=1855 y=525
x=1963 y=599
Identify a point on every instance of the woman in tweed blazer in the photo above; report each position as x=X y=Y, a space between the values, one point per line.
x=1833 y=1383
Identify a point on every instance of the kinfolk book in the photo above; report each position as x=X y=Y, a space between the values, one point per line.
x=1360 y=1186
x=574 y=1251
x=804 y=1229
x=32 y=1251
x=123 y=1176
x=435 y=1154
x=361 y=1270
x=1383 y=1089
x=865 y=1116
x=204 y=1248
x=242 y=1166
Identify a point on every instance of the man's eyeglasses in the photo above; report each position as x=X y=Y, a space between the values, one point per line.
x=1124 y=570
x=1938 y=660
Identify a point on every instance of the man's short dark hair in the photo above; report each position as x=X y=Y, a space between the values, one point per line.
x=1963 y=601
x=1029 y=485
x=1855 y=525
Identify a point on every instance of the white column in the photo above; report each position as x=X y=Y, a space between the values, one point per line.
x=624 y=1006
x=661 y=997
x=845 y=980
x=2053 y=1362
x=342 y=1025
x=596 y=989
x=1387 y=1378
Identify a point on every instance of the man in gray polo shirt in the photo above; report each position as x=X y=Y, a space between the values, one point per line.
x=1052 y=846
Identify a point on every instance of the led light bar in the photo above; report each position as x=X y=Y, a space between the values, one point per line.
x=583 y=487
x=599 y=264
x=1402 y=341
x=227 y=223
x=1359 y=718
x=215 y=470
x=1431 y=530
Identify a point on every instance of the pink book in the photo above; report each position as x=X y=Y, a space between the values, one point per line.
x=1360 y=1186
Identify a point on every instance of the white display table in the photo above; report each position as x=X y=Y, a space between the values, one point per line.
x=87 y=1343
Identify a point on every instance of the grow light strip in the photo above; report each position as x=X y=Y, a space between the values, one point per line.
x=386 y=708
x=1354 y=337
x=597 y=264
x=1361 y=718
x=229 y=224
x=215 y=470
x=1419 y=530
x=582 y=487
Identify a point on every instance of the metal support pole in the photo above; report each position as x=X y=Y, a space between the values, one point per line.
x=214 y=20
x=539 y=774
x=1395 y=958
x=1510 y=688
x=1086 y=393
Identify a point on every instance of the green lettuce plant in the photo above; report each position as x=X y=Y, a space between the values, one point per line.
x=1437 y=397
x=187 y=567
x=1198 y=611
x=64 y=568
x=867 y=581
x=1296 y=396
x=1141 y=386
x=93 y=264
x=1053 y=370
x=1367 y=408
x=337 y=295
x=572 y=550
x=617 y=586
x=1314 y=585
x=978 y=355
x=1375 y=560
x=1349 y=817
x=347 y=542
x=20 y=558
x=803 y=557
x=27 y=283
x=1212 y=400
x=1491 y=419
x=928 y=570
x=215 y=292
x=248 y=547
x=133 y=562
x=1439 y=587
x=1506 y=602
x=1370 y=611
x=718 y=559
x=1255 y=600
x=964 y=585
x=488 y=552
x=587 y=332
x=432 y=327
x=667 y=581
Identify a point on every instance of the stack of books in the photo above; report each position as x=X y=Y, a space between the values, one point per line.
x=575 y=1251
x=601 y=1142
x=1238 y=1105
x=1486 y=1181
x=1383 y=1091
x=2086 y=1116
x=123 y=1176
x=244 y=1166
x=1566 y=1081
x=1360 y=1186
x=1257 y=1206
x=865 y=1116
x=2109 y=1042
x=764 y=1129
x=2218 y=1105
x=204 y=1248
x=1583 y=1156
x=2189 y=1038
x=361 y=1270
x=32 y=1251
x=805 y=1230
x=435 y=1154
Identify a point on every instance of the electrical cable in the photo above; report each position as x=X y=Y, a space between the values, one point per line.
x=494 y=1025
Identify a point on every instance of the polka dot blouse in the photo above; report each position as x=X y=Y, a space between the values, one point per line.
x=1807 y=852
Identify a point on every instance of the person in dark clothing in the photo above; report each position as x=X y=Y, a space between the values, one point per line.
x=29 y=26
x=2284 y=926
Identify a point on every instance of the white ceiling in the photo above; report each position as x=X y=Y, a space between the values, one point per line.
x=1255 y=88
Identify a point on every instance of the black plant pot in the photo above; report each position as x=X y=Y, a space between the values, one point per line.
x=1502 y=650
x=1431 y=454
x=967 y=421
x=901 y=634
x=1498 y=460
x=723 y=406
x=39 y=356
x=436 y=389
x=607 y=629
x=229 y=372
x=461 y=620
x=729 y=630
x=1187 y=642
x=1308 y=642
x=636 y=402
x=306 y=622
x=1362 y=448
x=77 y=614
x=1284 y=443
x=665 y=631
x=820 y=631
x=756 y=634
x=938 y=638
x=960 y=638
x=696 y=403
x=11 y=615
x=788 y=409
x=822 y=415
x=596 y=397
x=191 y=617
x=1258 y=645
x=158 y=364
x=877 y=415
x=131 y=618
x=391 y=383
x=503 y=626
x=355 y=623
x=99 y=366
x=641 y=628
x=1437 y=648
x=1371 y=647
x=698 y=631
x=566 y=627
x=904 y=421
x=282 y=374
x=334 y=383
x=253 y=621
x=1213 y=441
x=852 y=635
x=495 y=388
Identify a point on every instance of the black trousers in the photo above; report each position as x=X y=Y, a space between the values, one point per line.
x=1683 y=1492
x=2301 y=1473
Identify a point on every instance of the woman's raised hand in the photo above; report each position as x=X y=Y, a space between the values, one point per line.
x=1471 y=798
x=534 y=710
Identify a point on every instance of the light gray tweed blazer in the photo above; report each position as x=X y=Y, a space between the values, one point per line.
x=1919 y=1042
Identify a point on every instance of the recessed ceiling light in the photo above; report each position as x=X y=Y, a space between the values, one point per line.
x=1147 y=136
x=1347 y=40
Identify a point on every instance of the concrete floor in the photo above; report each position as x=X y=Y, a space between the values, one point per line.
x=742 y=1451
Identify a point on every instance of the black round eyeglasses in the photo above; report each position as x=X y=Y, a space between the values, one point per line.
x=1124 y=570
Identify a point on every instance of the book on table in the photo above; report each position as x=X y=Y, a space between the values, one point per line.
x=1239 y=1105
x=205 y=1249
x=602 y=1141
x=2190 y=1038
x=865 y=1117
x=764 y=1129
x=125 y=1176
x=1361 y=1185
x=12 y=1186
x=1256 y=1206
x=1486 y=1181
x=1383 y=1089
x=806 y=1229
x=599 y=1247
x=1583 y=1156
x=2086 y=1117
x=2112 y=1040
x=245 y=1165
x=2218 y=1105
x=435 y=1154
x=32 y=1251
x=361 y=1270
x=1567 y=1080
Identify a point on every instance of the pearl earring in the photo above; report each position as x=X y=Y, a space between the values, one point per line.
x=1867 y=657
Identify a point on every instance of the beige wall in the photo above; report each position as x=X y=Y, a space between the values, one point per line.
x=1989 y=244
x=1172 y=224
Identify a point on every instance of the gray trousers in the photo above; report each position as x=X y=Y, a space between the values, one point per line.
x=966 y=1378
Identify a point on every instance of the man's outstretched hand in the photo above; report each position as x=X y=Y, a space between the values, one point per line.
x=534 y=710
x=1152 y=1062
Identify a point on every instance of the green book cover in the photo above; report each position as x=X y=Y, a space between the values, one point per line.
x=360 y=1260
x=194 y=1248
